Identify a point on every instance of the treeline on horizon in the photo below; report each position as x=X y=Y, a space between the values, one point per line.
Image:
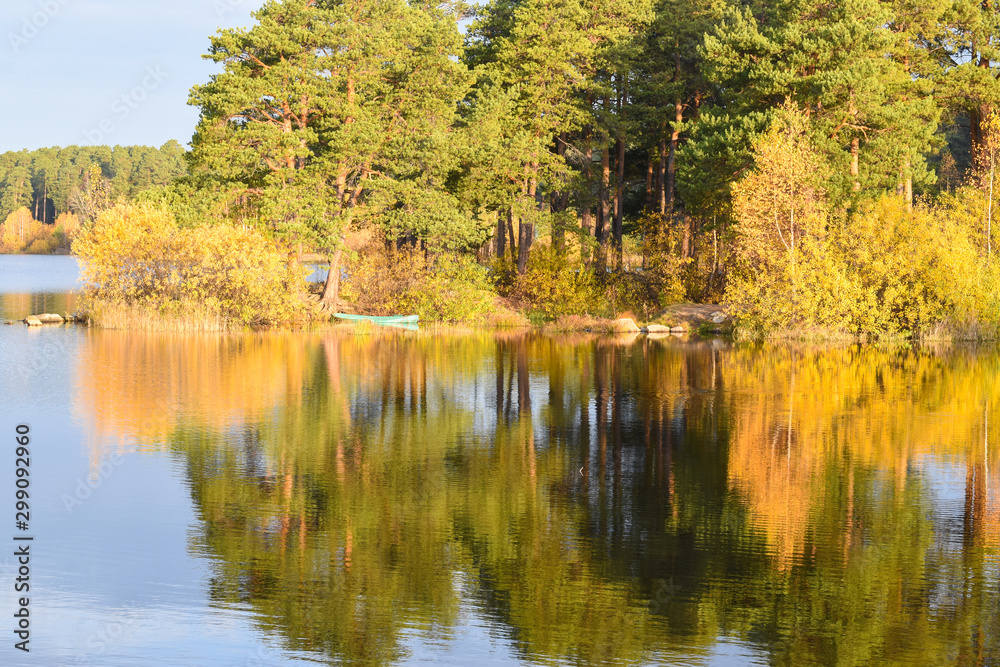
x=45 y=192
x=825 y=165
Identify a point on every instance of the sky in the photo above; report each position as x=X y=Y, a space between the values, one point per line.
x=111 y=72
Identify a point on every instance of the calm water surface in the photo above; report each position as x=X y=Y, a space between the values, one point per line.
x=320 y=498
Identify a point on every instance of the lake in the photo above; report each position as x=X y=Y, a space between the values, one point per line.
x=512 y=498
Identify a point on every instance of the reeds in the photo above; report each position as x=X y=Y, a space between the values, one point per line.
x=186 y=317
x=585 y=323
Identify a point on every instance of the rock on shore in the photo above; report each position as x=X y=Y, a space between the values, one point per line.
x=44 y=318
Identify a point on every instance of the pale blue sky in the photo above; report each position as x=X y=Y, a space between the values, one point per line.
x=105 y=72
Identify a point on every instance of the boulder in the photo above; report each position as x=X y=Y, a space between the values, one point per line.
x=32 y=321
x=719 y=317
x=677 y=329
x=49 y=318
x=625 y=325
x=657 y=328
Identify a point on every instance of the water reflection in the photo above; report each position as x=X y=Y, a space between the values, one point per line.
x=588 y=499
x=32 y=284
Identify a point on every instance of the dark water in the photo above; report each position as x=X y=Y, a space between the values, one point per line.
x=291 y=498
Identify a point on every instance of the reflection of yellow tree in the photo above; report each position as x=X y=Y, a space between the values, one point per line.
x=135 y=387
x=19 y=306
x=354 y=490
x=827 y=409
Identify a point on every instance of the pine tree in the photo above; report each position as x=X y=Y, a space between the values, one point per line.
x=850 y=65
x=320 y=104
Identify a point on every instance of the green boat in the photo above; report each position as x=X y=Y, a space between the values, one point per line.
x=380 y=319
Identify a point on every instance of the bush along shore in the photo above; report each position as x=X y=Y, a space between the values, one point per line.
x=142 y=270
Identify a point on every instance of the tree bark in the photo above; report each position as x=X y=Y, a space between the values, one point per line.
x=649 y=183
x=855 y=149
x=586 y=205
x=686 y=240
x=501 y=237
x=510 y=232
x=675 y=135
x=661 y=175
x=526 y=229
x=907 y=185
x=603 y=210
x=557 y=204
x=331 y=289
x=619 y=202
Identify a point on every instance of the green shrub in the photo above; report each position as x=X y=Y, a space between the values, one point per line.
x=444 y=287
x=555 y=285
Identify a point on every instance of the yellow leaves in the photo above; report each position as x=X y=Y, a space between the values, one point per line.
x=779 y=203
x=882 y=270
x=886 y=270
x=134 y=254
x=22 y=233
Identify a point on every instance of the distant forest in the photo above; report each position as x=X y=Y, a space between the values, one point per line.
x=45 y=181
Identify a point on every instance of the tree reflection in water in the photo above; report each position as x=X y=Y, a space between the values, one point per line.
x=592 y=499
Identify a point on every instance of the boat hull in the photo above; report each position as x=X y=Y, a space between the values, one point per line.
x=379 y=319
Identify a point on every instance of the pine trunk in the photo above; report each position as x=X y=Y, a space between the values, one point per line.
x=587 y=210
x=675 y=136
x=526 y=229
x=331 y=289
x=603 y=211
x=501 y=237
x=619 y=202
x=661 y=176
x=557 y=202
x=649 y=183
x=510 y=233
x=855 y=149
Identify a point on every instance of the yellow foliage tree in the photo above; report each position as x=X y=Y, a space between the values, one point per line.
x=780 y=219
x=136 y=259
x=66 y=227
x=780 y=203
x=22 y=233
x=16 y=230
x=986 y=164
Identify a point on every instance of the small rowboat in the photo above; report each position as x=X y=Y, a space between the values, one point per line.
x=380 y=319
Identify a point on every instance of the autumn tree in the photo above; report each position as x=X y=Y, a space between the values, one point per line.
x=779 y=211
x=319 y=103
